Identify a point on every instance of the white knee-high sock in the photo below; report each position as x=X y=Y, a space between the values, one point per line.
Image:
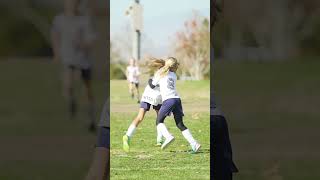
x=131 y=130
x=188 y=136
x=159 y=135
x=163 y=130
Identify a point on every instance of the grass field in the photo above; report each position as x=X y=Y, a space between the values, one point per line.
x=37 y=140
x=274 y=118
x=272 y=110
x=145 y=161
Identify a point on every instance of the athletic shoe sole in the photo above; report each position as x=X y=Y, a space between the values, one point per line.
x=159 y=143
x=198 y=146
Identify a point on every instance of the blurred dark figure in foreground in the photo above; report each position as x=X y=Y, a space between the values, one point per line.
x=222 y=165
x=99 y=13
x=100 y=167
x=72 y=40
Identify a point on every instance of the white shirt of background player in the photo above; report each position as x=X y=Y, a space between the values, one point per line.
x=133 y=74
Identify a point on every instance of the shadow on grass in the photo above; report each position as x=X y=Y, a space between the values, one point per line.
x=202 y=151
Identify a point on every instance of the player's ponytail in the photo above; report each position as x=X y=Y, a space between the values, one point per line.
x=171 y=64
x=155 y=64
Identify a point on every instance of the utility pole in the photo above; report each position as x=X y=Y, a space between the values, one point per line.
x=136 y=13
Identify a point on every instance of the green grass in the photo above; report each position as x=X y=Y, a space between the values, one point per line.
x=273 y=114
x=272 y=110
x=145 y=161
x=38 y=140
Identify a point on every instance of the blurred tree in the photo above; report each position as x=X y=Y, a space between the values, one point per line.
x=122 y=41
x=98 y=11
x=192 y=47
x=117 y=65
x=274 y=29
x=34 y=12
x=26 y=25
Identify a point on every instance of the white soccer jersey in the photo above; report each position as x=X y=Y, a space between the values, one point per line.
x=133 y=74
x=72 y=31
x=167 y=85
x=151 y=96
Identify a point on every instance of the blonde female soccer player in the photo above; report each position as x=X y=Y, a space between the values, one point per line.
x=150 y=97
x=171 y=103
x=132 y=73
x=72 y=39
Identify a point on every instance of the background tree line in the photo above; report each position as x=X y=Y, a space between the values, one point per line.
x=267 y=30
x=191 y=45
x=26 y=25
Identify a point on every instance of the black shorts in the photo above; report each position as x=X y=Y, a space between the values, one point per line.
x=135 y=84
x=103 y=139
x=86 y=73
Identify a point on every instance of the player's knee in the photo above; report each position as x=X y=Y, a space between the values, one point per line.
x=159 y=120
x=139 y=119
x=181 y=126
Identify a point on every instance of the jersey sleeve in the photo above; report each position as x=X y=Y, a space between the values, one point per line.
x=156 y=79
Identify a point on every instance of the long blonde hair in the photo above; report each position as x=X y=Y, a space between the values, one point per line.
x=154 y=64
x=171 y=64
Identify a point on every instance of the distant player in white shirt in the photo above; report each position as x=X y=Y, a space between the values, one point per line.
x=72 y=40
x=132 y=73
x=171 y=103
x=149 y=97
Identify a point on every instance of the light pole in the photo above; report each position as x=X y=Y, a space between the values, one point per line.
x=135 y=11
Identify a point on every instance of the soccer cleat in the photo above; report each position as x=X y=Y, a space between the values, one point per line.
x=167 y=142
x=195 y=147
x=159 y=143
x=126 y=142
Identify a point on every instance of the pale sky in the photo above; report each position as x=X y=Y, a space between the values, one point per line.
x=162 y=19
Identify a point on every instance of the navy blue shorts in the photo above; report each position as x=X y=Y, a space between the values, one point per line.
x=135 y=84
x=103 y=137
x=171 y=105
x=146 y=106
